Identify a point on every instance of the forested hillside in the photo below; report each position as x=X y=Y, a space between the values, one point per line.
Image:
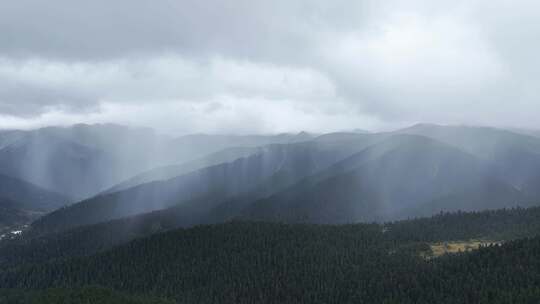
x=277 y=263
x=86 y=295
x=502 y=224
x=29 y=196
x=22 y=202
x=13 y=216
x=496 y=225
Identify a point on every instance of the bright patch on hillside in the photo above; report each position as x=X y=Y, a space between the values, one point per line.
x=438 y=249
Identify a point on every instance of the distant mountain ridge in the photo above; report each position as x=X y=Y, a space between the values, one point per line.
x=83 y=160
x=168 y=172
x=515 y=158
x=272 y=168
x=334 y=178
x=331 y=178
x=382 y=182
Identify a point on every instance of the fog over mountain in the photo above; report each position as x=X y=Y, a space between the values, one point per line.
x=332 y=178
x=268 y=110
x=83 y=160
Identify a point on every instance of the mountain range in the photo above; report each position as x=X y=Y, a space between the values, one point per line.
x=331 y=178
x=91 y=205
x=84 y=160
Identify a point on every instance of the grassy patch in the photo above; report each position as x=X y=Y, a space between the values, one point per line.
x=438 y=249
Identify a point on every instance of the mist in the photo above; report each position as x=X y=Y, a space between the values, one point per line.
x=296 y=110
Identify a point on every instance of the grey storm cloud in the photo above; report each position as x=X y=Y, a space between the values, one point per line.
x=94 y=30
x=269 y=66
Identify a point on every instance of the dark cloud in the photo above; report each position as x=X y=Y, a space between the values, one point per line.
x=269 y=65
x=103 y=29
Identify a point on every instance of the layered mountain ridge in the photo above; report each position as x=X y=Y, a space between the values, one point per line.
x=334 y=178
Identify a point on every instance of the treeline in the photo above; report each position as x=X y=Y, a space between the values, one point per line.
x=500 y=224
x=242 y=262
x=497 y=225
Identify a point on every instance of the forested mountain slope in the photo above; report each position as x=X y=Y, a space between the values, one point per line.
x=30 y=196
x=86 y=295
x=496 y=225
x=277 y=263
x=13 y=216
x=22 y=202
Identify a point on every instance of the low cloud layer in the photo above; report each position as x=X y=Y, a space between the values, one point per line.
x=269 y=66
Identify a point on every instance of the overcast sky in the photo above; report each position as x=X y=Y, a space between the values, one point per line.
x=252 y=66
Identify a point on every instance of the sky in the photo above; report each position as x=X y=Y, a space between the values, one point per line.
x=250 y=66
